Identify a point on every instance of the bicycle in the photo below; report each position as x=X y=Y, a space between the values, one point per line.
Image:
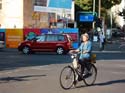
x=70 y=74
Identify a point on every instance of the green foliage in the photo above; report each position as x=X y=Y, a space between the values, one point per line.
x=84 y=5
x=87 y=5
x=107 y=4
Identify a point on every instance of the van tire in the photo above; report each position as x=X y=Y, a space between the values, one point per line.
x=26 y=50
x=60 y=50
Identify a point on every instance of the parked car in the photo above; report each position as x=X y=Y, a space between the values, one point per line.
x=59 y=43
x=118 y=33
x=2 y=42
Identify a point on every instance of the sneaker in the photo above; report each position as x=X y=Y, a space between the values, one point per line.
x=74 y=83
x=80 y=78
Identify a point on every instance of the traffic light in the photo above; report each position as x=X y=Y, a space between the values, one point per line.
x=99 y=22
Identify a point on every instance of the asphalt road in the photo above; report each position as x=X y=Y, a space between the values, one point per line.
x=39 y=73
x=12 y=59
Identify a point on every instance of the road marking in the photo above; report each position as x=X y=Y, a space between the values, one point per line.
x=108 y=51
x=118 y=73
x=45 y=67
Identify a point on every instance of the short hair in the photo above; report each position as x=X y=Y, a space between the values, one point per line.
x=86 y=35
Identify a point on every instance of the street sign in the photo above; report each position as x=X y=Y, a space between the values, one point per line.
x=86 y=16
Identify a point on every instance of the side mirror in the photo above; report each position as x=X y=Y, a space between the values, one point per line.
x=34 y=39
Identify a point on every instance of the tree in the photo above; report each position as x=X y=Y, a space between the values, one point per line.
x=84 y=5
x=107 y=4
x=87 y=5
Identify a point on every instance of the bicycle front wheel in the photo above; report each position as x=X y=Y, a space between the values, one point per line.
x=90 y=79
x=67 y=77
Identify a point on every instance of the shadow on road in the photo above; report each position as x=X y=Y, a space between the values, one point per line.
x=110 y=82
x=19 y=78
x=103 y=83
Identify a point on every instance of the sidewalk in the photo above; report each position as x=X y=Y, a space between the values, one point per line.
x=114 y=46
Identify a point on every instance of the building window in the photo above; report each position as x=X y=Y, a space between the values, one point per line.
x=0 y=4
x=41 y=2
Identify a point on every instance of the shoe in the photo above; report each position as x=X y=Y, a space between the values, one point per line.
x=74 y=83
x=80 y=78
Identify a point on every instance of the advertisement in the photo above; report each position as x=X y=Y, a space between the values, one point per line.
x=13 y=37
x=72 y=32
x=29 y=34
x=60 y=4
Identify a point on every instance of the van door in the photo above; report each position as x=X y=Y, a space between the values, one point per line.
x=51 y=41
x=39 y=43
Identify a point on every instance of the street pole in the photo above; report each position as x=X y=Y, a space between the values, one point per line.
x=99 y=11
x=93 y=24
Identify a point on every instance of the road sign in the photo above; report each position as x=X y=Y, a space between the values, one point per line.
x=86 y=16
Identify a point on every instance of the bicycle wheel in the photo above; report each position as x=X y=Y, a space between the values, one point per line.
x=67 y=77
x=90 y=79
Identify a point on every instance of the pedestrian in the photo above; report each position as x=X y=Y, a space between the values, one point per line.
x=101 y=40
x=90 y=33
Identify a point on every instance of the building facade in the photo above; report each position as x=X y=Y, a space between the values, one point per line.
x=35 y=13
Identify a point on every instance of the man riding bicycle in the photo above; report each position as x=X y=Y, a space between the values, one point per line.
x=85 y=53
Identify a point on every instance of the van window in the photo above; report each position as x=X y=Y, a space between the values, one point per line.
x=51 y=38
x=61 y=38
x=40 y=38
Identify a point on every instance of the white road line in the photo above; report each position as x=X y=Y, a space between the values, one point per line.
x=118 y=73
x=108 y=51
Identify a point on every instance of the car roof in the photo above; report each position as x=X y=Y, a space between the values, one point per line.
x=53 y=34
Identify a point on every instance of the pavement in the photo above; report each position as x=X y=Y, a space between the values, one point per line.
x=116 y=45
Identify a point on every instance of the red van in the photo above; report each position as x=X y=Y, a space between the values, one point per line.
x=59 y=43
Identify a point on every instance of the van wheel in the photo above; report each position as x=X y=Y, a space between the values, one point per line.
x=26 y=50
x=60 y=50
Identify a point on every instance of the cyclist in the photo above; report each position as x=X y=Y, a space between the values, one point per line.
x=85 y=53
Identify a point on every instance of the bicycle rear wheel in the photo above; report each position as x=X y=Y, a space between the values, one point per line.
x=90 y=79
x=67 y=77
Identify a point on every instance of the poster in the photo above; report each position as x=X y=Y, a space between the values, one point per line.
x=29 y=34
x=13 y=37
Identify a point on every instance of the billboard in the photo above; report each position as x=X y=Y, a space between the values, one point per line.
x=72 y=32
x=60 y=4
x=31 y=33
x=13 y=37
x=54 y=6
